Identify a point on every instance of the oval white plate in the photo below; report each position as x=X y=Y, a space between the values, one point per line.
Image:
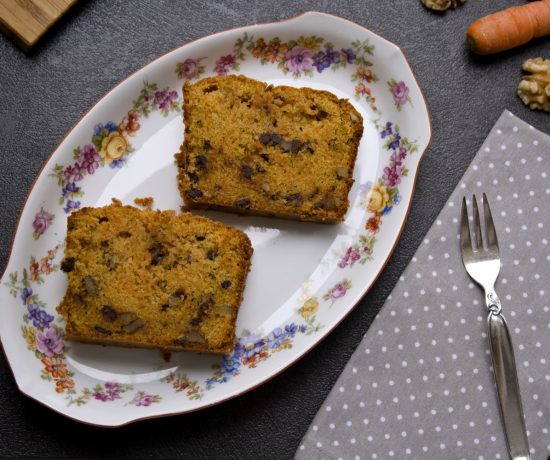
x=305 y=277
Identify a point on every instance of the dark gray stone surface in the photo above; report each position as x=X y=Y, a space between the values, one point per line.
x=44 y=94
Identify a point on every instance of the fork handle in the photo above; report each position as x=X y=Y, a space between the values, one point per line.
x=506 y=379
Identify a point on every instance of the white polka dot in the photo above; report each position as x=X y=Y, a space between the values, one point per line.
x=502 y=147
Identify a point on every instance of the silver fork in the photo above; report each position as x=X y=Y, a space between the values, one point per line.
x=480 y=255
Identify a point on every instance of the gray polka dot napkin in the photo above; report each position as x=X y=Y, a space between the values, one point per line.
x=420 y=384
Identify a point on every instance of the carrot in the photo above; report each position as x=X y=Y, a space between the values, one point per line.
x=509 y=28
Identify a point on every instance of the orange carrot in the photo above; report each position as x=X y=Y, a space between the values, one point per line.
x=509 y=28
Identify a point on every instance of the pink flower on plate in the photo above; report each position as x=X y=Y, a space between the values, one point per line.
x=224 y=64
x=89 y=158
x=298 y=59
x=73 y=173
x=143 y=399
x=188 y=69
x=49 y=342
x=338 y=291
x=42 y=221
x=400 y=92
x=392 y=176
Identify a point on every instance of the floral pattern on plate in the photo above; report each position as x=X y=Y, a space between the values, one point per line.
x=380 y=198
x=109 y=146
x=252 y=348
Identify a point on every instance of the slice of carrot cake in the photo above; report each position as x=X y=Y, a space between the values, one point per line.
x=155 y=279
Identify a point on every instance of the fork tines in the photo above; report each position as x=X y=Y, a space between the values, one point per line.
x=481 y=240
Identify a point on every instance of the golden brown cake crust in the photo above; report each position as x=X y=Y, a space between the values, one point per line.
x=153 y=279
x=254 y=148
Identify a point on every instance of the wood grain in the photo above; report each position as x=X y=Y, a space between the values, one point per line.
x=25 y=21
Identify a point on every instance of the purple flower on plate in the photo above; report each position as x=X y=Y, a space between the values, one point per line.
x=400 y=93
x=276 y=337
x=344 y=261
x=394 y=144
x=291 y=329
x=350 y=254
x=112 y=386
x=397 y=157
x=143 y=399
x=164 y=99
x=89 y=158
x=26 y=295
x=387 y=131
x=71 y=205
x=42 y=221
x=348 y=55
x=392 y=176
x=224 y=64
x=73 y=173
x=298 y=59
x=49 y=342
x=112 y=392
x=70 y=188
x=188 y=69
x=326 y=58
x=40 y=318
x=248 y=346
x=117 y=164
x=100 y=396
x=355 y=255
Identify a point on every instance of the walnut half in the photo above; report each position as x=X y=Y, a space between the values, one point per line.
x=534 y=89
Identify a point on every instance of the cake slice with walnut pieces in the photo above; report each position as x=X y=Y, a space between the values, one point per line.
x=154 y=279
x=254 y=148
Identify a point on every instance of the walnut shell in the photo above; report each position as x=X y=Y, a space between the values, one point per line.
x=442 y=5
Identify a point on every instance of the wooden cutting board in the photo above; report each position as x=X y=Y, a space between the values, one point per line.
x=25 y=21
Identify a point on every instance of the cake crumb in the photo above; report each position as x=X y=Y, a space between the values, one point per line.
x=116 y=201
x=145 y=202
